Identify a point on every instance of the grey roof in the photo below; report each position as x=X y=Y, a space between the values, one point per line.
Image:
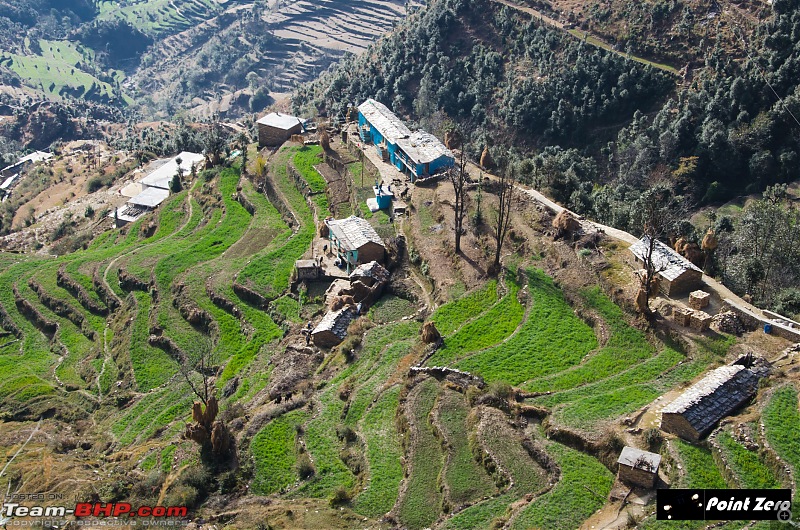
x=383 y=119
x=353 y=232
x=630 y=456
x=279 y=121
x=306 y=264
x=668 y=263
x=423 y=147
x=161 y=177
x=336 y=322
x=150 y=197
x=715 y=396
x=36 y=156
x=7 y=182
x=373 y=270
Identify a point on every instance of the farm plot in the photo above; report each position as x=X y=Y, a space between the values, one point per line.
x=581 y=490
x=383 y=455
x=781 y=421
x=449 y=317
x=746 y=465
x=551 y=339
x=700 y=470
x=422 y=503
x=275 y=455
x=487 y=330
x=152 y=367
x=465 y=479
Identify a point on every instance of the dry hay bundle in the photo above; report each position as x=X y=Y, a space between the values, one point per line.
x=710 y=241
x=430 y=334
x=486 y=158
x=324 y=139
x=452 y=139
x=565 y=222
x=323 y=230
x=342 y=301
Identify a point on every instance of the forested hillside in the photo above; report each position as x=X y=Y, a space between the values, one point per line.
x=602 y=127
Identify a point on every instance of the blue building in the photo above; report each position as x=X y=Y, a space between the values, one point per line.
x=418 y=154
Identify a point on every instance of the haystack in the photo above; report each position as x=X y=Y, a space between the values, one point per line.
x=565 y=223
x=486 y=158
x=324 y=139
x=710 y=241
x=430 y=334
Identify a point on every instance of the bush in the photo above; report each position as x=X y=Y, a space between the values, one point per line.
x=305 y=468
x=340 y=496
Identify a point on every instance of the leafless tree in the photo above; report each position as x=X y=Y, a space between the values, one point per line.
x=655 y=213
x=459 y=177
x=203 y=363
x=505 y=194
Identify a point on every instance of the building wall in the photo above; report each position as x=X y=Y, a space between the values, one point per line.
x=638 y=477
x=677 y=424
x=268 y=135
x=690 y=280
x=325 y=339
x=371 y=252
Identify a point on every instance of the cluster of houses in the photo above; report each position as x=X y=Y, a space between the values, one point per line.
x=11 y=174
x=154 y=189
x=418 y=154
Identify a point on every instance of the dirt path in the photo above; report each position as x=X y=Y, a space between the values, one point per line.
x=592 y=39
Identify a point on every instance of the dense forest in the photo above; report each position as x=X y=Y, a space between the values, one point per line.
x=592 y=128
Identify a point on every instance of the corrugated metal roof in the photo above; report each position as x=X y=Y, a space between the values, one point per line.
x=631 y=456
x=353 y=232
x=161 y=177
x=715 y=396
x=383 y=119
x=150 y=197
x=279 y=121
x=423 y=147
x=668 y=263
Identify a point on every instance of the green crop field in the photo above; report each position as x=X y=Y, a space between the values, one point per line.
x=584 y=485
x=746 y=465
x=275 y=454
x=781 y=421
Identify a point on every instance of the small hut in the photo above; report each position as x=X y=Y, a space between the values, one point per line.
x=332 y=329
x=638 y=468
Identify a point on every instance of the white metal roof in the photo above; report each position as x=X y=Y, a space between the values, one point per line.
x=383 y=119
x=423 y=147
x=161 y=177
x=150 y=197
x=353 y=232
x=36 y=156
x=630 y=456
x=7 y=182
x=668 y=263
x=279 y=121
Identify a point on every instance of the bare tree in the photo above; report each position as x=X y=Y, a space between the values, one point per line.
x=505 y=194
x=243 y=140
x=458 y=177
x=655 y=213
x=203 y=364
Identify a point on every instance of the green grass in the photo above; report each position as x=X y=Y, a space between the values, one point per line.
x=746 y=465
x=781 y=421
x=700 y=469
x=449 y=317
x=489 y=329
x=304 y=160
x=582 y=490
x=467 y=481
x=167 y=456
x=383 y=455
x=391 y=308
x=152 y=367
x=422 y=503
x=273 y=450
x=552 y=339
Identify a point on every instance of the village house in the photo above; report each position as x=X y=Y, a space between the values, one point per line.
x=332 y=329
x=676 y=274
x=418 y=154
x=697 y=411
x=354 y=241
x=155 y=187
x=638 y=468
x=307 y=269
x=275 y=128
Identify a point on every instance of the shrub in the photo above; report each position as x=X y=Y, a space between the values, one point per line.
x=305 y=468
x=340 y=496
